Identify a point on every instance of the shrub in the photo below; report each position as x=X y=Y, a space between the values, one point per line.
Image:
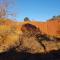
x=26 y=19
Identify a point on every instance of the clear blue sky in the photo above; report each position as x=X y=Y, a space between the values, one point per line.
x=39 y=10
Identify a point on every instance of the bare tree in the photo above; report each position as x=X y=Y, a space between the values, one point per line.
x=4 y=7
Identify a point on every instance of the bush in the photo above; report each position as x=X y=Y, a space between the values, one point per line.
x=26 y=19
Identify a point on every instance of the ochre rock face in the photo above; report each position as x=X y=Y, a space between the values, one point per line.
x=50 y=27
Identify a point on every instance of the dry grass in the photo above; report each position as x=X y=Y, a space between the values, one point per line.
x=30 y=44
x=8 y=39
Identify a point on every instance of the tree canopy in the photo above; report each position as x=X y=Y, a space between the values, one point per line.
x=26 y=19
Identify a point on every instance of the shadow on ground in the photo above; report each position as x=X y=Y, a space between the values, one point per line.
x=13 y=55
